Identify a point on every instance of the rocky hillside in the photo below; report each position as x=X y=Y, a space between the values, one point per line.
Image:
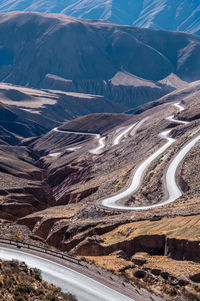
x=18 y=282
x=145 y=247
x=88 y=56
x=66 y=145
x=123 y=88
x=26 y=113
x=13 y=127
x=162 y=14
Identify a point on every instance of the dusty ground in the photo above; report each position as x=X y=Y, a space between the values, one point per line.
x=157 y=273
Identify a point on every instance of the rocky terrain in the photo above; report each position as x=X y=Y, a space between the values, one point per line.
x=18 y=282
x=33 y=112
x=123 y=88
x=162 y=14
x=100 y=68
x=57 y=183
x=79 y=130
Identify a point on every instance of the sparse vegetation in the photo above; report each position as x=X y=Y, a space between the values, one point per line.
x=19 y=283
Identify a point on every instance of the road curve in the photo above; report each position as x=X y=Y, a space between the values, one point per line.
x=98 y=149
x=74 y=132
x=180 y=107
x=172 y=119
x=173 y=190
x=69 y=280
x=119 y=137
x=101 y=140
x=111 y=202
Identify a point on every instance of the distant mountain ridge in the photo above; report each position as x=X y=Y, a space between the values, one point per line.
x=125 y=64
x=178 y=15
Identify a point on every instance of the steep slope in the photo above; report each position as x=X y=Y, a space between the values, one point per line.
x=190 y=90
x=79 y=180
x=14 y=126
x=28 y=112
x=123 y=88
x=162 y=14
x=99 y=123
x=91 y=54
x=93 y=123
x=55 y=187
x=27 y=282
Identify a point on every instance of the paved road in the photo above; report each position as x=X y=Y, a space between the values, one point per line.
x=82 y=286
x=173 y=190
x=78 y=279
x=101 y=140
x=119 y=137
x=172 y=187
x=112 y=202
x=101 y=146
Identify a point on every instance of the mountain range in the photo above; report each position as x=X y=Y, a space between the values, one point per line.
x=125 y=64
x=178 y=15
x=92 y=111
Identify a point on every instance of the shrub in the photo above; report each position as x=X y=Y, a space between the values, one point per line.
x=51 y=298
x=14 y=263
x=37 y=274
x=68 y=297
x=19 y=298
x=23 y=288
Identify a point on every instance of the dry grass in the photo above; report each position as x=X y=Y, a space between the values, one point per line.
x=111 y=262
x=57 y=212
x=178 y=227
x=157 y=284
x=173 y=267
x=18 y=283
x=163 y=263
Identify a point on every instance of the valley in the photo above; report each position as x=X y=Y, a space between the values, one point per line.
x=57 y=191
x=99 y=150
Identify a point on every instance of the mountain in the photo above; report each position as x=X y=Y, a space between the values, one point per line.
x=124 y=63
x=28 y=112
x=52 y=187
x=66 y=145
x=157 y=14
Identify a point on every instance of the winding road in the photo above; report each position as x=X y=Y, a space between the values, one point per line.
x=101 y=140
x=119 y=137
x=59 y=273
x=171 y=118
x=84 y=287
x=173 y=190
x=101 y=146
